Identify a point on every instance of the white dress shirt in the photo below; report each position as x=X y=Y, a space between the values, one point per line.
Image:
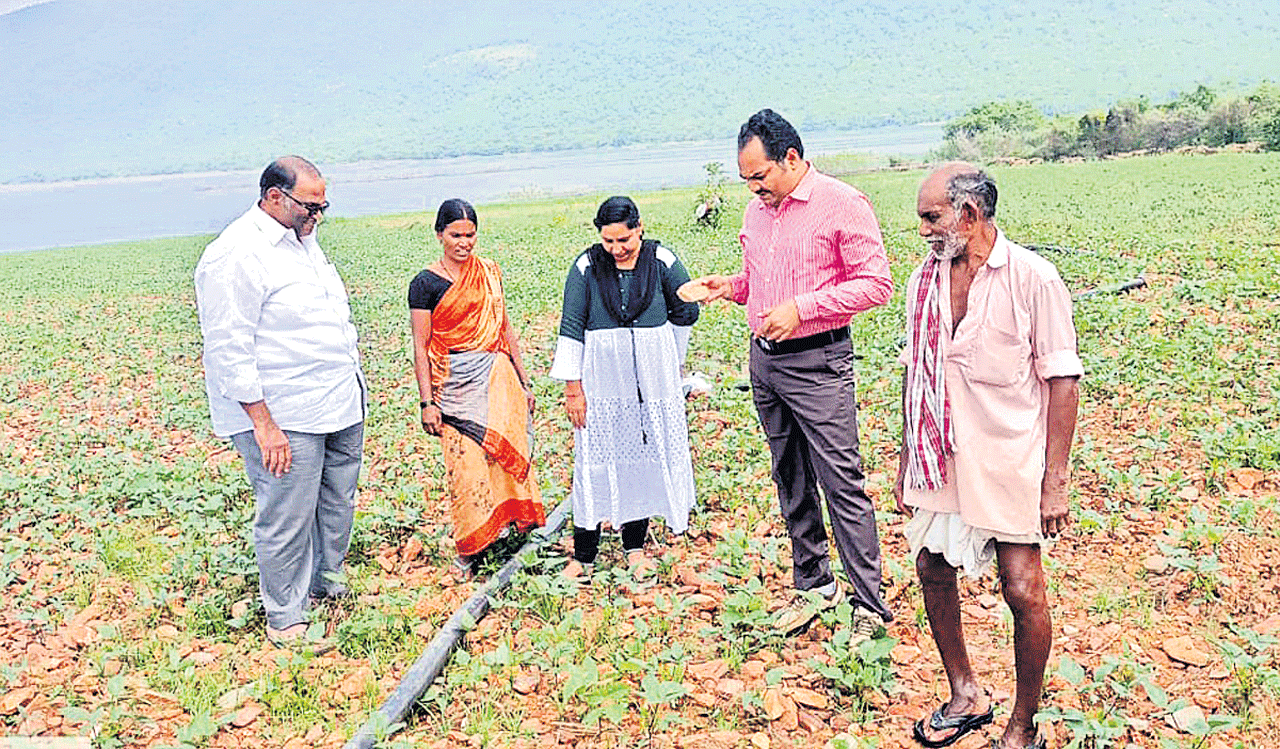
x=277 y=327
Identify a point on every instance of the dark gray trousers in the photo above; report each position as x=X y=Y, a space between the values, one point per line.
x=302 y=523
x=808 y=409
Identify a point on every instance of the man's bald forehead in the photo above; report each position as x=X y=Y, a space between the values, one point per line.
x=952 y=169
x=296 y=165
x=959 y=182
x=283 y=173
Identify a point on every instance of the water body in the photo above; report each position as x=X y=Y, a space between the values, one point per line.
x=44 y=215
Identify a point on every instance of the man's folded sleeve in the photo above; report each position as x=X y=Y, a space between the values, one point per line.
x=230 y=302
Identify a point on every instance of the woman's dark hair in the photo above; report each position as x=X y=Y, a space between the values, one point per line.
x=618 y=210
x=455 y=209
x=644 y=280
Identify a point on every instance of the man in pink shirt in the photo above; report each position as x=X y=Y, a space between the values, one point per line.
x=812 y=258
x=989 y=410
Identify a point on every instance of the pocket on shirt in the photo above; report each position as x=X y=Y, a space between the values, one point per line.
x=1000 y=358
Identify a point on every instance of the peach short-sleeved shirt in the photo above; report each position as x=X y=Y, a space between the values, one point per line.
x=1016 y=335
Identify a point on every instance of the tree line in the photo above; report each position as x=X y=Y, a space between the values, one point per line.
x=1202 y=117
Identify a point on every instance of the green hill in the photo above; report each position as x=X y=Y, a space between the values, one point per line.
x=95 y=88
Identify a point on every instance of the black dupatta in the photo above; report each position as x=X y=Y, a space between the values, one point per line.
x=645 y=280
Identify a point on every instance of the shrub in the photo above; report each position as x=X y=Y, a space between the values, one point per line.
x=1009 y=117
x=1164 y=129
x=1227 y=123
x=1017 y=129
x=1271 y=132
x=1060 y=137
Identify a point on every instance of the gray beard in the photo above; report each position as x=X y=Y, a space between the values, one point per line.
x=949 y=249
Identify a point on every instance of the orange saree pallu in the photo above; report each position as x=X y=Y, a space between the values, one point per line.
x=487 y=434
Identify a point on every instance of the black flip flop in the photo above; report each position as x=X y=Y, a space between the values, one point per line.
x=962 y=725
x=1040 y=743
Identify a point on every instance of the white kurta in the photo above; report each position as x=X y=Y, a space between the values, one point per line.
x=631 y=460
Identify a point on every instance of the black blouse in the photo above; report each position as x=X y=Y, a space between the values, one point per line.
x=425 y=290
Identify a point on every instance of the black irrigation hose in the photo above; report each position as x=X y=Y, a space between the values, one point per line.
x=432 y=660
x=1136 y=283
x=1054 y=248
x=1119 y=288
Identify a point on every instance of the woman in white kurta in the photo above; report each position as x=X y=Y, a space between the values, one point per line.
x=623 y=338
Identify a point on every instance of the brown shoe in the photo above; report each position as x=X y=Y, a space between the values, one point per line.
x=283 y=637
x=865 y=624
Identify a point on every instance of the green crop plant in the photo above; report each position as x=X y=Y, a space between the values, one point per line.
x=1105 y=692
x=657 y=696
x=1253 y=667
x=117 y=497
x=744 y=622
x=854 y=666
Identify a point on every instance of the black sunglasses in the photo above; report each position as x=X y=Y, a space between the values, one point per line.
x=311 y=208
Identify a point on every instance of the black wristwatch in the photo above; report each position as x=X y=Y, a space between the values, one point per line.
x=424 y=404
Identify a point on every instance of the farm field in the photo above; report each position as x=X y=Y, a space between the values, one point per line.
x=128 y=589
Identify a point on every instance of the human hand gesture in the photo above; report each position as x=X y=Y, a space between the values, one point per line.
x=432 y=418
x=779 y=322
x=899 y=486
x=273 y=443
x=575 y=404
x=1055 y=513
x=718 y=287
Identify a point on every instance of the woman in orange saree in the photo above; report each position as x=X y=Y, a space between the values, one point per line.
x=474 y=389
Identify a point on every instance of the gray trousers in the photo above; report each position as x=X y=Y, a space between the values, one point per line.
x=302 y=524
x=808 y=409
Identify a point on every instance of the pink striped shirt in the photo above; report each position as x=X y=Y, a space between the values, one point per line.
x=820 y=246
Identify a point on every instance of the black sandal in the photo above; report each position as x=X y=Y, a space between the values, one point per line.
x=962 y=725
x=1040 y=743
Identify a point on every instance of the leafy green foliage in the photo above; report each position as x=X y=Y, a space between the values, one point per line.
x=1015 y=116
x=711 y=196
x=1199 y=117
x=855 y=667
x=1253 y=666
x=1100 y=723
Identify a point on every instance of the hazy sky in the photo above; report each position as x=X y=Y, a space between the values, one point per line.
x=9 y=6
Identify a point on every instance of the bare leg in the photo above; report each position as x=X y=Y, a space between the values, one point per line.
x=942 y=604
x=1022 y=580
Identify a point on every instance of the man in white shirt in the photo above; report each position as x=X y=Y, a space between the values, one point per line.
x=284 y=383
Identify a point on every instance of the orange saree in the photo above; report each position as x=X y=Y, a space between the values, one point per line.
x=487 y=434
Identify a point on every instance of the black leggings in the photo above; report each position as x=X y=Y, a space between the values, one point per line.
x=586 y=543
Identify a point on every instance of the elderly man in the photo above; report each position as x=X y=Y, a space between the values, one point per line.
x=812 y=258
x=989 y=410
x=284 y=383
